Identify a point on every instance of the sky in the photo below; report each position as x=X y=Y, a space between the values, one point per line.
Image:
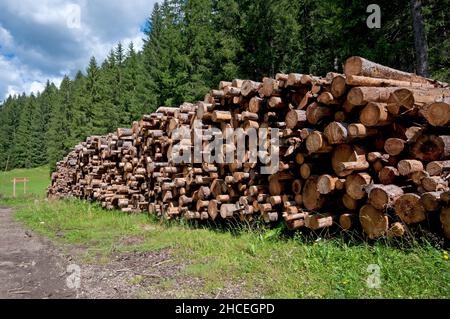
x=46 y=39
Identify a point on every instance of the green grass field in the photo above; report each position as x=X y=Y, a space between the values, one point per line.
x=39 y=179
x=259 y=262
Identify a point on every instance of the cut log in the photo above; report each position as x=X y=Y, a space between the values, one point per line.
x=358 y=130
x=434 y=183
x=350 y=203
x=374 y=223
x=316 y=113
x=410 y=208
x=227 y=210
x=318 y=221
x=336 y=133
x=394 y=146
x=445 y=220
x=400 y=100
x=338 y=86
x=396 y=230
x=347 y=221
x=375 y=114
x=347 y=158
x=437 y=114
x=358 y=80
x=312 y=199
x=362 y=95
x=295 y=118
x=382 y=196
x=219 y=116
x=431 y=148
x=430 y=201
x=326 y=184
x=317 y=143
x=294 y=79
x=388 y=175
x=360 y=66
x=354 y=185
x=255 y=104
x=250 y=88
x=407 y=167
x=436 y=168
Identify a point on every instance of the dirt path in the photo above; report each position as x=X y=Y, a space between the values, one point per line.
x=30 y=266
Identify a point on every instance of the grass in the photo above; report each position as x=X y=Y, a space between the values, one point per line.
x=256 y=263
x=39 y=179
x=258 y=266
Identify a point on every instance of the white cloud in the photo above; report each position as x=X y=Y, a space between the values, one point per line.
x=46 y=39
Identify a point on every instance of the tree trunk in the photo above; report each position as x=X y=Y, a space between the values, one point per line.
x=420 y=40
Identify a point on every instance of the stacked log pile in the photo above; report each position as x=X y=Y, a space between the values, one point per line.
x=368 y=149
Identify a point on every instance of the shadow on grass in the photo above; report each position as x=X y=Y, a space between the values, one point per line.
x=415 y=236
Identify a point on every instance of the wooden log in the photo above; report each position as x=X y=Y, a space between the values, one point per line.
x=388 y=175
x=350 y=203
x=430 y=201
x=317 y=143
x=327 y=98
x=445 y=197
x=270 y=87
x=436 y=168
x=124 y=132
x=299 y=158
x=312 y=199
x=250 y=88
x=318 y=221
x=219 y=116
x=437 y=114
x=382 y=196
x=373 y=221
x=394 y=146
x=338 y=85
x=294 y=79
x=227 y=210
x=399 y=100
x=315 y=113
x=297 y=186
x=408 y=101
x=410 y=208
x=347 y=221
x=213 y=209
x=445 y=220
x=396 y=230
x=358 y=80
x=362 y=95
x=254 y=105
x=430 y=147
x=360 y=66
x=358 y=130
x=418 y=176
x=347 y=158
x=326 y=184
x=336 y=133
x=434 y=183
x=276 y=102
x=295 y=118
x=354 y=185
x=375 y=114
x=406 y=167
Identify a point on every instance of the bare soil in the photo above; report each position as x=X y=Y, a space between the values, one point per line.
x=33 y=267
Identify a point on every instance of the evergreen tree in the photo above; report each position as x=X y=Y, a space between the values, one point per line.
x=59 y=130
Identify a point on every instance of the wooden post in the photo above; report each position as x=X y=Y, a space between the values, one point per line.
x=14 y=187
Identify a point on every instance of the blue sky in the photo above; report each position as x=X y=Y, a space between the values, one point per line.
x=45 y=39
